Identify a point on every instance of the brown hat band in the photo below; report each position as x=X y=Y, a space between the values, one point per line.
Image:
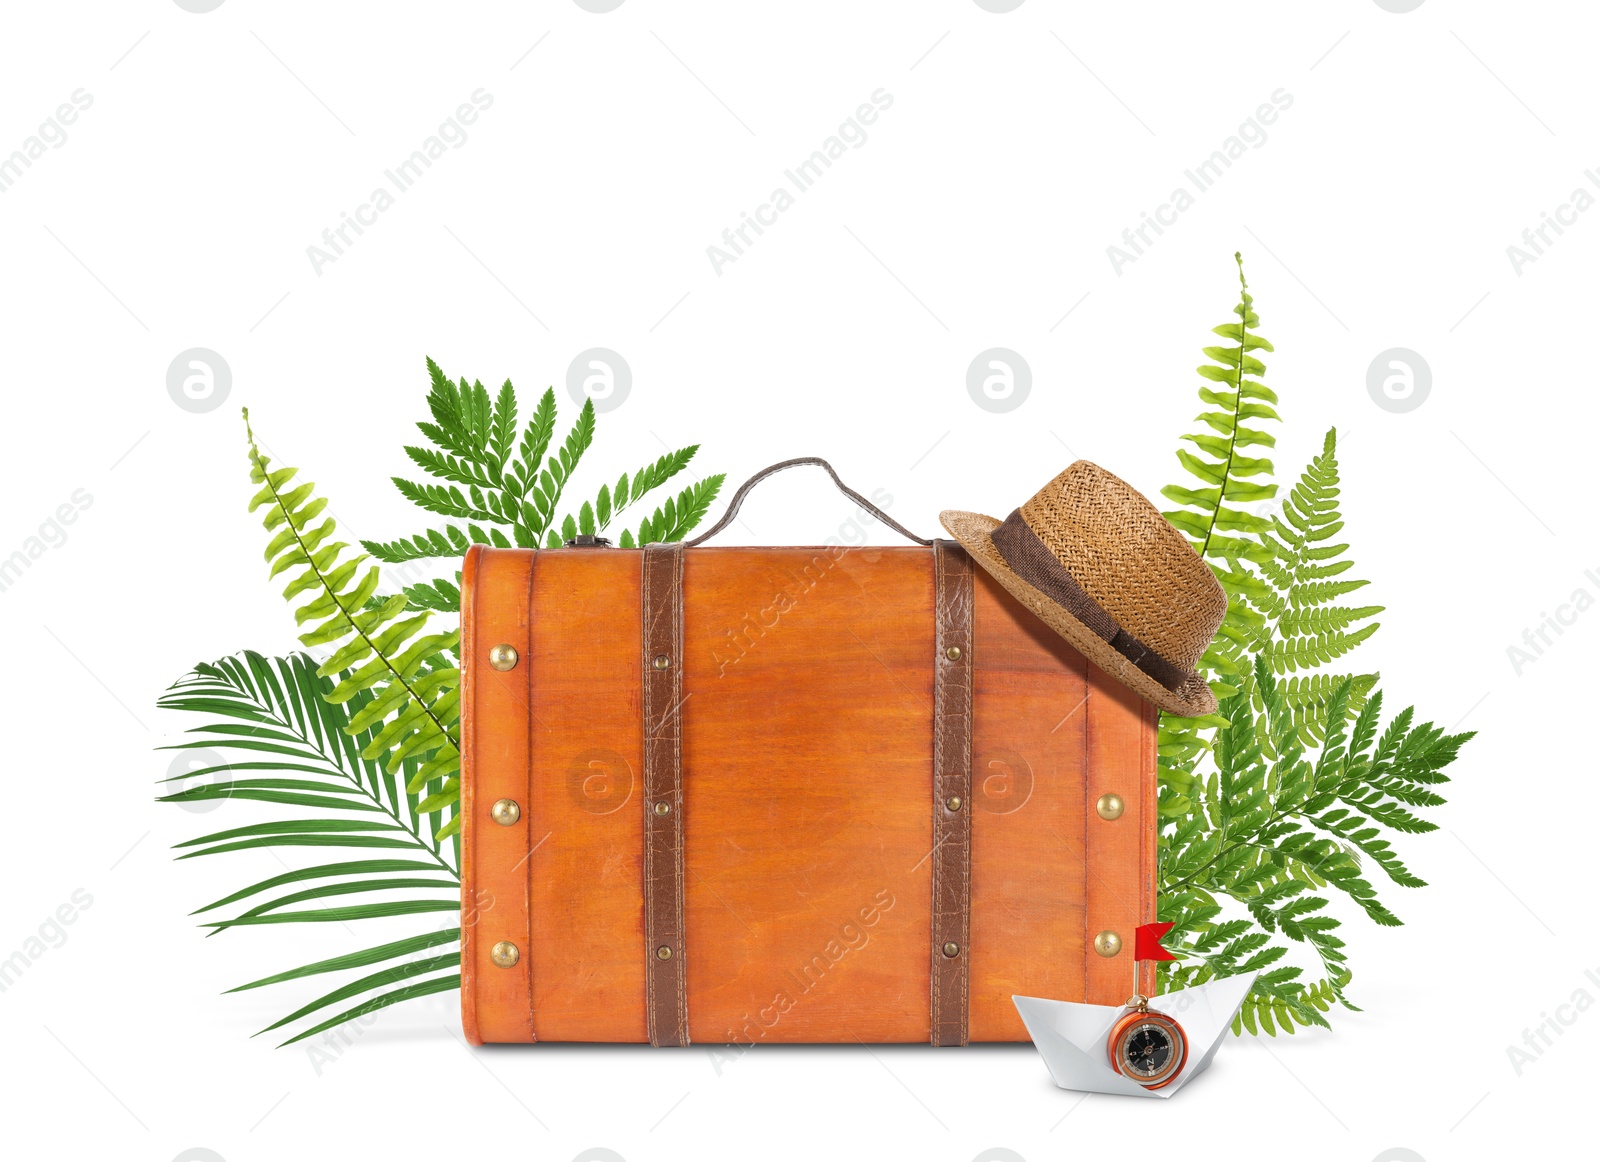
x=1032 y=560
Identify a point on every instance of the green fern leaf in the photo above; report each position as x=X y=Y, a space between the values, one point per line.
x=441 y=596
x=383 y=653
x=673 y=520
x=507 y=499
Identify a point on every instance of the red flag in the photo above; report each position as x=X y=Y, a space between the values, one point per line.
x=1147 y=942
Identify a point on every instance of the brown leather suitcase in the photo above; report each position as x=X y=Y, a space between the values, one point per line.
x=820 y=794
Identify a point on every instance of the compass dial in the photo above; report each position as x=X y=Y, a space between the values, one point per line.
x=1147 y=1050
x=1147 y=1047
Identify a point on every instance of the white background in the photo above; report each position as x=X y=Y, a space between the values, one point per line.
x=977 y=214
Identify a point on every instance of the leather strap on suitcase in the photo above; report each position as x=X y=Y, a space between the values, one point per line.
x=666 y=995
x=952 y=793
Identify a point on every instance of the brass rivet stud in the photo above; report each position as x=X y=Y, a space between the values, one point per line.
x=1109 y=806
x=505 y=812
x=503 y=657
x=952 y=949
x=661 y=662
x=505 y=954
x=953 y=653
x=953 y=802
x=663 y=808
x=1108 y=943
x=664 y=953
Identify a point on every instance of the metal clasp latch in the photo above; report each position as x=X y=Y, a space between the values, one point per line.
x=587 y=541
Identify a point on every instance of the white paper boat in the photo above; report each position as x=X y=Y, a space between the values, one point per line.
x=1072 y=1037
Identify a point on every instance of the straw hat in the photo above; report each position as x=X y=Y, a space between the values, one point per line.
x=1099 y=565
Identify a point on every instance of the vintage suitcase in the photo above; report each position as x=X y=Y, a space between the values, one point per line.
x=821 y=794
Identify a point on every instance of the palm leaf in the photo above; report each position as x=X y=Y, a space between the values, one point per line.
x=425 y=988
x=250 y=698
x=347 y=867
x=340 y=915
x=374 y=980
x=382 y=952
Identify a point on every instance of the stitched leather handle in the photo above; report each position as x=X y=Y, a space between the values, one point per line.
x=738 y=499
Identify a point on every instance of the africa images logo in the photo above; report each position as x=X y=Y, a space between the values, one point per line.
x=199 y=379
x=999 y=379
x=851 y=132
x=451 y=134
x=1252 y=132
x=51 y=132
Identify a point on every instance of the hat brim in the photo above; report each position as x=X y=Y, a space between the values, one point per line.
x=972 y=530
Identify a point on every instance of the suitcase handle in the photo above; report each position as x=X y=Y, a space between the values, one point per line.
x=738 y=499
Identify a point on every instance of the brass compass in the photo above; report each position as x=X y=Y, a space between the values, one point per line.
x=1147 y=1046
